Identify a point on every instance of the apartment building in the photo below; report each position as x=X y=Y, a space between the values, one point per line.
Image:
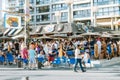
x=104 y=13
x=0 y=9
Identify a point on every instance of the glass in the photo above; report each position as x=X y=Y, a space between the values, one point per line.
x=31 y=1
x=105 y=9
x=75 y=6
x=111 y=9
x=45 y=17
x=100 y=14
x=106 y=13
x=116 y=8
x=94 y=1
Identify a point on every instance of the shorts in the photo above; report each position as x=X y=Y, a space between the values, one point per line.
x=32 y=60
x=50 y=58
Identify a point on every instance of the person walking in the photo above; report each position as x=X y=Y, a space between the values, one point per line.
x=78 y=59
x=32 y=61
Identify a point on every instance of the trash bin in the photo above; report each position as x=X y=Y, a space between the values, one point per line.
x=19 y=63
x=40 y=65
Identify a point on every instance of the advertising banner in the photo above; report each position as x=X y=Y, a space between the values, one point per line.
x=11 y=21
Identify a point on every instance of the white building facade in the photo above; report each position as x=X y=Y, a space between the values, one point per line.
x=104 y=13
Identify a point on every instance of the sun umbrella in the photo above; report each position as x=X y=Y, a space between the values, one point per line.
x=115 y=34
x=75 y=36
x=59 y=36
x=5 y=37
x=43 y=37
x=18 y=36
x=90 y=34
x=106 y=36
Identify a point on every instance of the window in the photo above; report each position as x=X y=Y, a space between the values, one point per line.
x=111 y=9
x=45 y=17
x=32 y=11
x=116 y=10
x=75 y=6
x=82 y=13
x=101 y=2
x=32 y=19
x=42 y=9
x=37 y=18
x=43 y=2
x=37 y=9
x=116 y=1
x=37 y=1
x=31 y=1
x=21 y=11
x=57 y=7
x=64 y=16
x=21 y=2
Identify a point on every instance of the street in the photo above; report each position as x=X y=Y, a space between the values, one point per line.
x=106 y=73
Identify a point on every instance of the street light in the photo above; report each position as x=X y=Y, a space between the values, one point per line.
x=94 y=11
x=69 y=3
x=27 y=8
x=114 y=21
x=112 y=24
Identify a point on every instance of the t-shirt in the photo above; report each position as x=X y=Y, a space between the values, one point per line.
x=32 y=53
x=77 y=54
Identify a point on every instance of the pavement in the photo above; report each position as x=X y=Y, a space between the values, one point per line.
x=105 y=72
x=105 y=62
x=59 y=75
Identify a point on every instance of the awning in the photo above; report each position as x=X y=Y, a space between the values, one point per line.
x=60 y=27
x=7 y=31
x=18 y=31
x=18 y=36
x=12 y=31
x=49 y=28
x=5 y=37
x=38 y=29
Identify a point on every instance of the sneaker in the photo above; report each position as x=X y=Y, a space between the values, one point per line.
x=75 y=71
x=84 y=71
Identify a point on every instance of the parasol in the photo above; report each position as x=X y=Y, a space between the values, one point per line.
x=5 y=37
x=90 y=34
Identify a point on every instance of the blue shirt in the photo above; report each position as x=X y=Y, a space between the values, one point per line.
x=32 y=53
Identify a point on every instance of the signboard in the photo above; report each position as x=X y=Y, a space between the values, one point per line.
x=11 y=21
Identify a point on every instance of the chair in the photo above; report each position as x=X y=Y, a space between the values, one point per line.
x=10 y=57
x=25 y=61
x=92 y=52
x=2 y=59
x=57 y=61
x=40 y=59
x=64 y=59
x=71 y=60
x=70 y=53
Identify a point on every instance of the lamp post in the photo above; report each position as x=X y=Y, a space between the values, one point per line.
x=94 y=11
x=69 y=3
x=27 y=18
x=112 y=24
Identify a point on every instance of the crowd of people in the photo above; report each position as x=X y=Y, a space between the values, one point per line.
x=91 y=48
